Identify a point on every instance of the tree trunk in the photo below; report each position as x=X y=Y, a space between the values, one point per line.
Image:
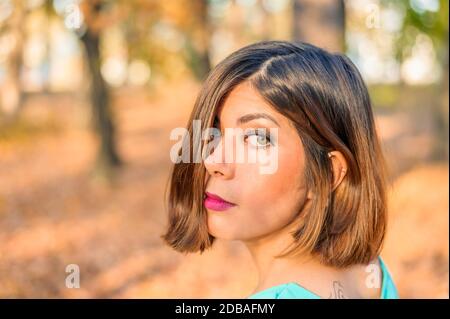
x=321 y=23
x=198 y=48
x=100 y=102
x=12 y=95
x=441 y=113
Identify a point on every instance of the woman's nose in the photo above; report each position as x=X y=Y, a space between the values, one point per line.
x=215 y=162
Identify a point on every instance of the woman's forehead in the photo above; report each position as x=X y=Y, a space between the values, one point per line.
x=242 y=100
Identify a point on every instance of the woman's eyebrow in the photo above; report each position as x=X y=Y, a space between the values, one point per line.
x=253 y=116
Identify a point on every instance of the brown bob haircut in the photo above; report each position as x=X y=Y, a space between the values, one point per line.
x=324 y=96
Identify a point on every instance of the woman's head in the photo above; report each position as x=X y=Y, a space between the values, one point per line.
x=329 y=181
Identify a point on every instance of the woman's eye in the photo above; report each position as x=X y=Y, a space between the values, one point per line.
x=258 y=139
x=213 y=137
x=212 y=134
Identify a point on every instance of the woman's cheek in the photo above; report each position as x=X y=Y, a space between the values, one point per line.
x=277 y=186
x=261 y=198
x=279 y=193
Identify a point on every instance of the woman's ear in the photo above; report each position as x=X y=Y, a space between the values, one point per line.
x=338 y=166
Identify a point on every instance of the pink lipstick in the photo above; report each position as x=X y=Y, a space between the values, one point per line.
x=215 y=202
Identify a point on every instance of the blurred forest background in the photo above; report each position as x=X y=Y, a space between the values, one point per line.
x=90 y=90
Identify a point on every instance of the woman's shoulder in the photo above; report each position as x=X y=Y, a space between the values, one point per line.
x=388 y=288
x=289 y=290
x=293 y=290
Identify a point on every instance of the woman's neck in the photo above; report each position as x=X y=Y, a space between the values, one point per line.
x=263 y=250
x=306 y=270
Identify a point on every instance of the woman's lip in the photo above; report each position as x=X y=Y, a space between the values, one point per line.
x=217 y=197
x=215 y=202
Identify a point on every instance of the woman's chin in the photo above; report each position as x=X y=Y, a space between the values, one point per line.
x=221 y=233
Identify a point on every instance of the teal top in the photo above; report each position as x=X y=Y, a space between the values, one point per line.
x=292 y=290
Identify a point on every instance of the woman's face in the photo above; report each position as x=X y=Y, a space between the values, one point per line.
x=264 y=203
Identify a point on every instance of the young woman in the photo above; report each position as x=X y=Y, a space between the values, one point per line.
x=315 y=223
